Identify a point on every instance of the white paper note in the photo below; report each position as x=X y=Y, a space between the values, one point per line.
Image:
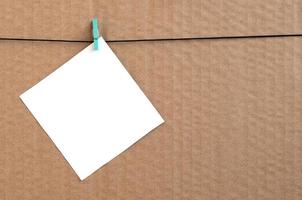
x=91 y=108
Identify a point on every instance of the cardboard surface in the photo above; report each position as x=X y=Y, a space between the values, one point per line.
x=233 y=108
x=136 y=19
x=233 y=111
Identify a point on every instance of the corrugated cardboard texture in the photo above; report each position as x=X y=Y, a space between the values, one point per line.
x=136 y=19
x=233 y=111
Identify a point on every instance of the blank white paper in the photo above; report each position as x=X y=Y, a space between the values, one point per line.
x=91 y=108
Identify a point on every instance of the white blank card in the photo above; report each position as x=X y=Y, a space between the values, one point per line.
x=91 y=108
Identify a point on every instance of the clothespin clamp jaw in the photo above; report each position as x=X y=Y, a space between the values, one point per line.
x=95 y=34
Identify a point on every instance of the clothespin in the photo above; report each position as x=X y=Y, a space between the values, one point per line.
x=95 y=33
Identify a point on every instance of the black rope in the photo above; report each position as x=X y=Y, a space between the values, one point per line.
x=158 y=39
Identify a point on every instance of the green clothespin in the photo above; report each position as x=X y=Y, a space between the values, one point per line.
x=95 y=33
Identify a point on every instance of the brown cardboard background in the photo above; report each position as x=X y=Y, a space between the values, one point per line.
x=136 y=19
x=233 y=111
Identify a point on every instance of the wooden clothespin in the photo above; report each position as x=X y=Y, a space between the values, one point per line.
x=95 y=34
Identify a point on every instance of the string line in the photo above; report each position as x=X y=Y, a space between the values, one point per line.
x=156 y=39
